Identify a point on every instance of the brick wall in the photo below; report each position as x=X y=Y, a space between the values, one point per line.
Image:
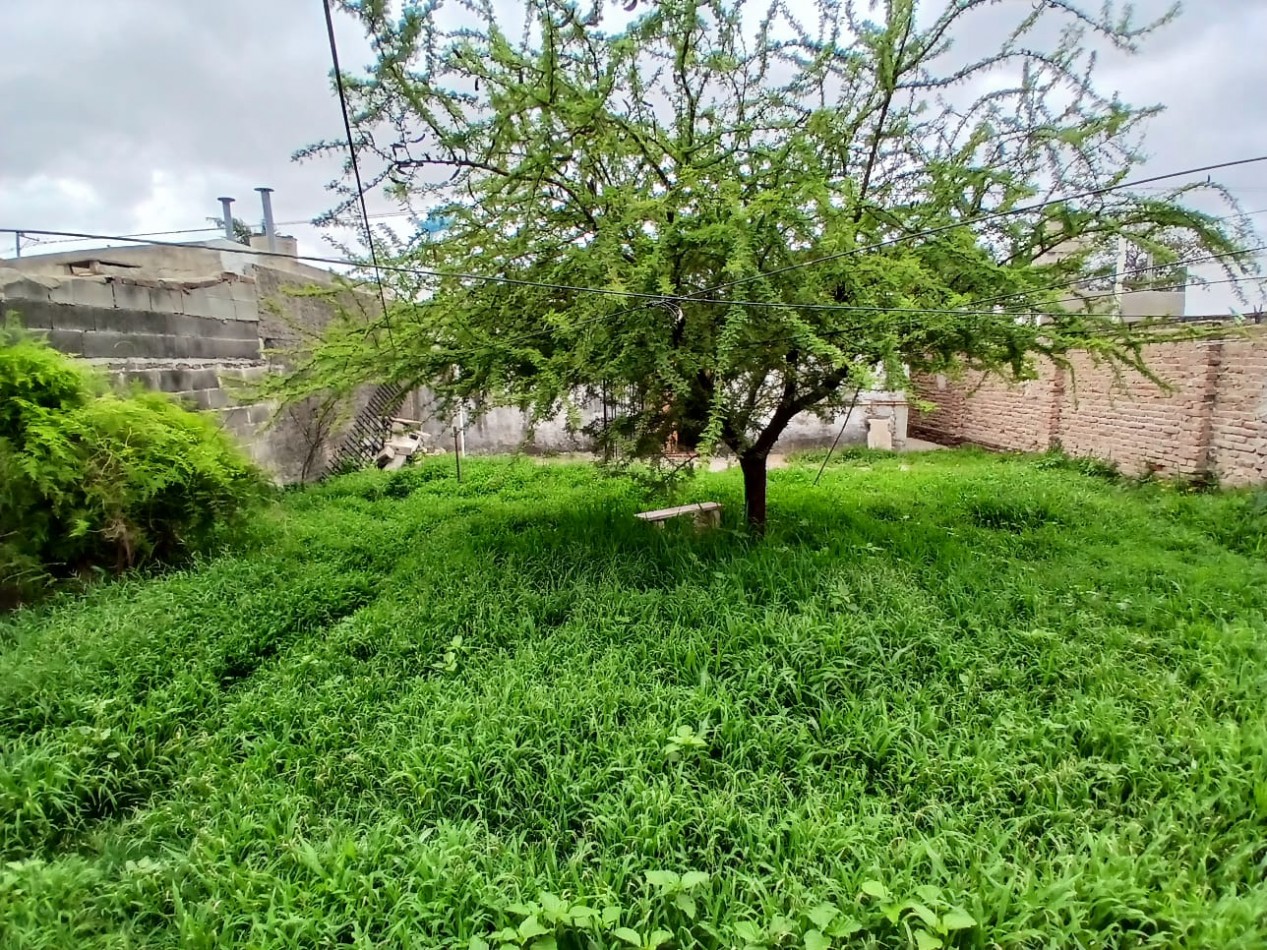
x=1213 y=419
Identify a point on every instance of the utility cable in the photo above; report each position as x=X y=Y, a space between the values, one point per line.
x=980 y=219
x=356 y=165
x=346 y=262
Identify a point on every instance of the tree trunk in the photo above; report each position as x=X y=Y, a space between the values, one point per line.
x=754 y=480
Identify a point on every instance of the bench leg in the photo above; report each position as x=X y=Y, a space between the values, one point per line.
x=707 y=519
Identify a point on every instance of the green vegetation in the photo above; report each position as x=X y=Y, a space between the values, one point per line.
x=787 y=191
x=91 y=478
x=952 y=699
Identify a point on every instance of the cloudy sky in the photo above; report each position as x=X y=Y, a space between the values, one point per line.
x=125 y=116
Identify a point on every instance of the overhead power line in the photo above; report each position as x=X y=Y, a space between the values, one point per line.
x=356 y=165
x=979 y=219
x=995 y=215
x=650 y=298
x=379 y=215
x=1072 y=286
x=345 y=262
x=218 y=228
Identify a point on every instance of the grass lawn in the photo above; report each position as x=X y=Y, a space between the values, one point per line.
x=963 y=698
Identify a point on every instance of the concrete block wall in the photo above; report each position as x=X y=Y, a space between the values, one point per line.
x=505 y=429
x=203 y=339
x=117 y=318
x=1212 y=419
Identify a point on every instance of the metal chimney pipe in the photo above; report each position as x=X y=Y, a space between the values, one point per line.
x=226 y=212
x=270 y=231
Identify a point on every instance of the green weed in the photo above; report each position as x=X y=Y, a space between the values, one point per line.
x=955 y=700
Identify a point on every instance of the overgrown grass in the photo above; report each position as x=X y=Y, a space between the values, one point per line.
x=954 y=697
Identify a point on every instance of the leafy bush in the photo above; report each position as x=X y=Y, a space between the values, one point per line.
x=92 y=478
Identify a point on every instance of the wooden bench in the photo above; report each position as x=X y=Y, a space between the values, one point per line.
x=707 y=514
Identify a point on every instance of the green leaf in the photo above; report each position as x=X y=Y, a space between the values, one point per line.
x=610 y=915
x=580 y=913
x=545 y=943
x=553 y=907
x=875 y=889
x=628 y=935
x=822 y=915
x=929 y=893
x=686 y=904
x=532 y=927
x=477 y=943
x=658 y=938
x=663 y=879
x=780 y=925
x=693 y=879
x=814 y=940
x=926 y=941
x=748 y=932
x=522 y=910
x=845 y=927
x=926 y=914
x=957 y=920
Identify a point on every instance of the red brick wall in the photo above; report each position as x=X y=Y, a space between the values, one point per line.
x=1213 y=419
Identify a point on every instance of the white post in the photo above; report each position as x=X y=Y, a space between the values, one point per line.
x=1119 y=277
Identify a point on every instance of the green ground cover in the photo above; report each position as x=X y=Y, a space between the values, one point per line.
x=951 y=699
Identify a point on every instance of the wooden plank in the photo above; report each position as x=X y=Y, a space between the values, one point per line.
x=666 y=513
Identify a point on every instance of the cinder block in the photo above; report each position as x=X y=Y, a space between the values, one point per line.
x=188 y=380
x=195 y=303
x=25 y=288
x=260 y=413
x=210 y=398
x=220 y=306
x=71 y=317
x=179 y=324
x=236 y=419
x=165 y=300
x=32 y=314
x=149 y=378
x=236 y=349
x=225 y=329
x=112 y=345
x=67 y=341
x=131 y=321
x=90 y=292
x=131 y=296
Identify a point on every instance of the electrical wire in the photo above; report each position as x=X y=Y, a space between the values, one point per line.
x=218 y=228
x=356 y=165
x=345 y=262
x=695 y=296
x=980 y=219
x=1071 y=286
x=379 y=215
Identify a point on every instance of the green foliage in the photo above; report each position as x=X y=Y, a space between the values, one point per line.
x=920 y=727
x=807 y=200
x=97 y=479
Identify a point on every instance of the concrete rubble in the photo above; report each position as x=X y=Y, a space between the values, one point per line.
x=406 y=440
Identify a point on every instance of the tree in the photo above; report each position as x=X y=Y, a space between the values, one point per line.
x=242 y=232
x=810 y=201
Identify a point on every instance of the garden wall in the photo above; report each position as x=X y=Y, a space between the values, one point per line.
x=198 y=338
x=1211 y=421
